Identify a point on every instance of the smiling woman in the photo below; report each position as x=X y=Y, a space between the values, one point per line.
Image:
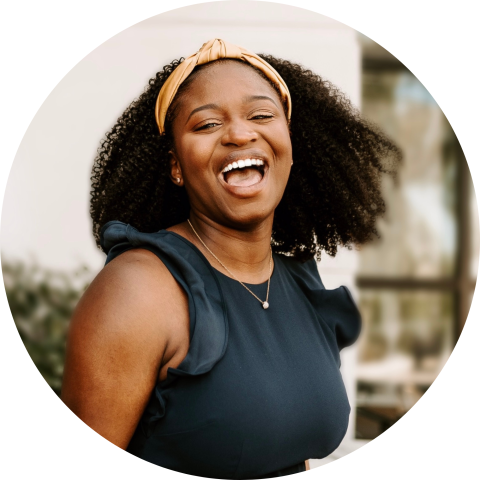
x=214 y=192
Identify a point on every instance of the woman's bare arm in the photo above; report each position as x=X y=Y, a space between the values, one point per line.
x=129 y=327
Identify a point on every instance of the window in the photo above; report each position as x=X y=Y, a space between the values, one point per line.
x=416 y=282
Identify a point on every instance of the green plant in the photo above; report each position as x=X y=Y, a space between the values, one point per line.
x=42 y=302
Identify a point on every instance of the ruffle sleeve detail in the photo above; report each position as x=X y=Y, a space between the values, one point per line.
x=339 y=311
x=335 y=308
x=207 y=311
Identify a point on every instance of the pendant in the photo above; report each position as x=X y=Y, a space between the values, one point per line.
x=265 y=305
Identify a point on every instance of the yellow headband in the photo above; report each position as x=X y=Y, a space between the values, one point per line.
x=213 y=50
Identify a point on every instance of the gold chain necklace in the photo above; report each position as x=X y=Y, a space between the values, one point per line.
x=265 y=303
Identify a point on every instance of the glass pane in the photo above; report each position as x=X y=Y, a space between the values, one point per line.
x=418 y=232
x=407 y=337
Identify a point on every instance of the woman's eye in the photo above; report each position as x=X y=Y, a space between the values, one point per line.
x=206 y=126
x=262 y=116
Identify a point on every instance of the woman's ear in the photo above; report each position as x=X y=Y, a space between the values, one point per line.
x=175 y=169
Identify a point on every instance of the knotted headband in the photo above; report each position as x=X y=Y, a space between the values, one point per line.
x=214 y=50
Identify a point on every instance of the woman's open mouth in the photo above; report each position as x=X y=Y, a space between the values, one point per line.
x=244 y=173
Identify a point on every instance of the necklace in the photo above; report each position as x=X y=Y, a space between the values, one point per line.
x=265 y=303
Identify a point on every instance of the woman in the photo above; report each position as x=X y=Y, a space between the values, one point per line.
x=208 y=344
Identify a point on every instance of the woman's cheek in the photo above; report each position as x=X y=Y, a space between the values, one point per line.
x=199 y=152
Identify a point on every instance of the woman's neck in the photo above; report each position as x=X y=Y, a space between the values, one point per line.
x=246 y=253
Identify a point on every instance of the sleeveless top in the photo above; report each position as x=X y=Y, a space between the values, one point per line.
x=259 y=391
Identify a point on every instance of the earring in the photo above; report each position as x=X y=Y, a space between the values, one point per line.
x=178 y=180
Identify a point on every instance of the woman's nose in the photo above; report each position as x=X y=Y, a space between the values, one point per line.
x=239 y=133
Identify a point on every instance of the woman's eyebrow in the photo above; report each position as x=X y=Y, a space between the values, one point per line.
x=252 y=98
x=208 y=106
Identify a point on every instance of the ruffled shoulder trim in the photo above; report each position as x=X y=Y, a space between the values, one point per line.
x=208 y=316
x=336 y=308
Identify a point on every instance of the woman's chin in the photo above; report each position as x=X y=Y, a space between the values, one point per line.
x=249 y=217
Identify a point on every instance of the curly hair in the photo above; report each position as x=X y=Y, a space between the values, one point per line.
x=333 y=196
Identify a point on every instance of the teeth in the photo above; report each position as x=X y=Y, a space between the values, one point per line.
x=242 y=164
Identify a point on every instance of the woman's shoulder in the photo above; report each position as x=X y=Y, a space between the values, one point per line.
x=186 y=264
x=172 y=249
x=137 y=278
x=306 y=272
x=136 y=269
x=132 y=296
x=191 y=272
x=133 y=306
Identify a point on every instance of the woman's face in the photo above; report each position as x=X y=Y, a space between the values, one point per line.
x=230 y=118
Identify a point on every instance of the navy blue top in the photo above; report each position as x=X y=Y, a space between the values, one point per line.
x=259 y=391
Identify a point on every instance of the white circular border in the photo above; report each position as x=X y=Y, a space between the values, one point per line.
x=42 y=41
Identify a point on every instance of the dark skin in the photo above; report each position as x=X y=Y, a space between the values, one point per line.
x=132 y=323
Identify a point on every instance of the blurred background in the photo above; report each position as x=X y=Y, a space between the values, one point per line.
x=413 y=286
